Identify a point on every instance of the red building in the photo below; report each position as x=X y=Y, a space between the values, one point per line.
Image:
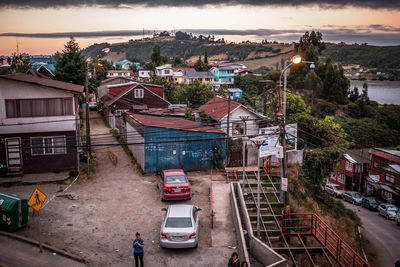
x=353 y=170
x=385 y=174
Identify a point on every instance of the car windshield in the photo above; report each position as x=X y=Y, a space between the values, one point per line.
x=178 y=179
x=372 y=201
x=178 y=222
x=357 y=195
x=391 y=208
x=337 y=187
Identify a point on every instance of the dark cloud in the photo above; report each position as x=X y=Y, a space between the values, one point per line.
x=387 y=4
x=374 y=34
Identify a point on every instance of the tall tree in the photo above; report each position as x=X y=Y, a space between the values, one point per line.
x=18 y=64
x=156 y=57
x=70 y=64
x=205 y=57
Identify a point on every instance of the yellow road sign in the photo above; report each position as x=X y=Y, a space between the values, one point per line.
x=37 y=199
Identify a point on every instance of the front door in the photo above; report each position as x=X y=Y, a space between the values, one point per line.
x=13 y=149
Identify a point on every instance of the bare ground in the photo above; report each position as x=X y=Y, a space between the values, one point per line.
x=111 y=207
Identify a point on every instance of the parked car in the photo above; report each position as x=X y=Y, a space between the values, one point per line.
x=334 y=190
x=369 y=203
x=353 y=197
x=173 y=185
x=180 y=227
x=388 y=211
x=92 y=105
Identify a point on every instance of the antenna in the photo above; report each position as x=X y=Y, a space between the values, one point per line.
x=17 y=47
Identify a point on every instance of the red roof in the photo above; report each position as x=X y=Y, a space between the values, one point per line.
x=157 y=89
x=172 y=123
x=217 y=108
x=385 y=155
x=22 y=77
x=186 y=69
x=113 y=78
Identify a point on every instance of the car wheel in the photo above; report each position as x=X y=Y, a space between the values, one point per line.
x=398 y=223
x=353 y=202
x=387 y=217
x=197 y=245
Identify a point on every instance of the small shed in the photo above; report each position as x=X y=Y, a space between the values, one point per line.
x=163 y=142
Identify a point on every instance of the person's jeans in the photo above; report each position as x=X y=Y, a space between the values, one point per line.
x=138 y=256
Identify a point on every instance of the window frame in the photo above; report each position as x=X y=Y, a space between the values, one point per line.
x=44 y=153
x=139 y=93
x=16 y=111
x=391 y=179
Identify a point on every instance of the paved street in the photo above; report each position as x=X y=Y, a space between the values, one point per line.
x=383 y=236
x=17 y=253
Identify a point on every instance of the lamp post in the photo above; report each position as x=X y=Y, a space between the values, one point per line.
x=284 y=196
x=244 y=119
x=258 y=142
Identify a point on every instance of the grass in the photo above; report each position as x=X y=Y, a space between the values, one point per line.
x=122 y=142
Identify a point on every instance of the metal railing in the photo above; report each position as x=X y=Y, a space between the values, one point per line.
x=312 y=224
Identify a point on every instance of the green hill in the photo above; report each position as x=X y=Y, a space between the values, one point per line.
x=379 y=57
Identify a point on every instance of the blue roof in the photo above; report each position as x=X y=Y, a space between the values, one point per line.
x=49 y=67
x=33 y=60
x=123 y=62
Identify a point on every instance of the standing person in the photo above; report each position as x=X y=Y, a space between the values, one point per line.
x=138 y=245
x=234 y=260
x=244 y=264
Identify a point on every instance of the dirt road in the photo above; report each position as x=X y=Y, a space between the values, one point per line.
x=112 y=206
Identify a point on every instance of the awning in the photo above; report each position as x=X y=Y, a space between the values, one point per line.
x=373 y=178
x=389 y=189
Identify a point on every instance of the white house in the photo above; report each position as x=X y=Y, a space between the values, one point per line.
x=165 y=71
x=144 y=74
x=39 y=124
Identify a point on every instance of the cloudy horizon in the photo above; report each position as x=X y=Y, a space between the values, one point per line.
x=47 y=24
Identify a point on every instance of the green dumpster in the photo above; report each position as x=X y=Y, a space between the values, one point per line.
x=13 y=212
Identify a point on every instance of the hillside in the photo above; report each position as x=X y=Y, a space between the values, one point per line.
x=191 y=50
x=380 y=57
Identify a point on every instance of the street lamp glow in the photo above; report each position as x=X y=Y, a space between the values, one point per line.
x=296 y=59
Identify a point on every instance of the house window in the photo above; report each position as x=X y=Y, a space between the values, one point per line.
x=389 y=178
x=375 y=164
x=39 y=107
x=139 y=93
x=48 y=145
x=237 y=128
x=349 y=166
x=341 y=178
x=166 y=71
x=333 y=176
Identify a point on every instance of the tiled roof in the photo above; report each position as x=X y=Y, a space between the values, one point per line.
x=217 y=108
x=157 y=89
x=172 y=123
x=22 y=77
x=113 y=78
x=183 y=69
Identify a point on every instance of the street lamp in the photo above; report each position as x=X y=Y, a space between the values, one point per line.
x=294 y=60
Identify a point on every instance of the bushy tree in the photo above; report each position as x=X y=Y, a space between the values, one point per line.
x=70 y=64
x=18 y=64
x=156 y=57
x=295 y=104
x=195 y=94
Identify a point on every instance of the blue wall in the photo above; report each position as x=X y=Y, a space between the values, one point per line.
x=198 y=154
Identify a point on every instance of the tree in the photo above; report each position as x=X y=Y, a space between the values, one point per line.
x=195 y=94
x=295 y=104
x=200 y=66
x=205 y=57
x=18 y=64
x=354 y=95
x=70 y=64
x=156 y=55
x=364 y=95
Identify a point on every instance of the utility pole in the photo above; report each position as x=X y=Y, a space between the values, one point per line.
x=244 y=119
x=87 y=111
x=227 y=121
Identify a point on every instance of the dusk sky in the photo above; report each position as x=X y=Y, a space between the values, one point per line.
x=43 y=26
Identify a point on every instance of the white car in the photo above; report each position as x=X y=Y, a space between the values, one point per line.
x=334 y=190
x=92 y=105
x=180 y=228
x=388 y=211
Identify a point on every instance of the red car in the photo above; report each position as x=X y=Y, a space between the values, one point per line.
x=173 y=185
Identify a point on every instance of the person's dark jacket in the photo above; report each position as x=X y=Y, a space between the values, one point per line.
x=233 y=264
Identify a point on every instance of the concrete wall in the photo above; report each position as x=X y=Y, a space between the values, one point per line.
x=251 y=124
x=258 y=249
x=241 y=242
x=294 y=157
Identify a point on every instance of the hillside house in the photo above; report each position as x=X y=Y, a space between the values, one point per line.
x=125 y=65
x=120 y=73
x=144 y=75
x=39 y=124
x=385 y=174
x=102 y=89
x=165 y=71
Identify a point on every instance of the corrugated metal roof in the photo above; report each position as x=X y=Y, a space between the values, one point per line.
x=197 y=74
x=389 y=154
x=172 y=123
x=22 y=77
x=217 y=108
